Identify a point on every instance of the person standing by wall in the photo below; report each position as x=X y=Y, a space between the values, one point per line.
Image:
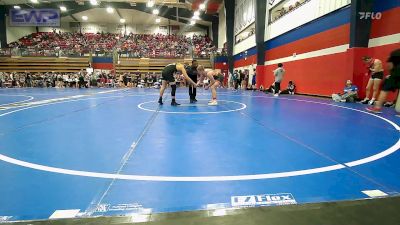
x=241 y=79
x=253 y=80
x=391 y=83
x=230 y=80
x=246 y=80
x=375 y=71
x=278 y=73
x=236 y=79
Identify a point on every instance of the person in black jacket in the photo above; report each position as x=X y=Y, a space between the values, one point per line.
x=192 y=73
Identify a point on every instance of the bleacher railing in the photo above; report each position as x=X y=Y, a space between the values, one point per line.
x=29 y=52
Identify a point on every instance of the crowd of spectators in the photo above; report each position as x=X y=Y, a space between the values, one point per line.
x=80 y=79
x=131 y=45
x=202 y=46
x=66 y=42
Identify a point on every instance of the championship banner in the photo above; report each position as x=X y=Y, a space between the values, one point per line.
x=35 y=17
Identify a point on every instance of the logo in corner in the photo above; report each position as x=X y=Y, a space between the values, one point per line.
x=263 y=200
x=370 y=15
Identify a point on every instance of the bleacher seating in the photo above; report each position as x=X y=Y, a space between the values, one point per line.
x=42 y=64
x=42 y=52
x=48 y=64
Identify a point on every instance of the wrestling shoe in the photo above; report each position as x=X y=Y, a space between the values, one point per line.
x=173 y=103
x=374 y=110
x=371 y=102
x=214 y=102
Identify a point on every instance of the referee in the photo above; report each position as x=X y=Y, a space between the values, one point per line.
x=192 y=73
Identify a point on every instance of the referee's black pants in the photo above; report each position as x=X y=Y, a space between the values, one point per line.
x=192 y=90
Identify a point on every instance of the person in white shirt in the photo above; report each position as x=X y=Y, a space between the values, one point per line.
x=230 y=80
x=65 y=80
x=278 y=73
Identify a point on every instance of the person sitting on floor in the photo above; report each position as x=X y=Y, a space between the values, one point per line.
x=349 y=95
x=290 y=89
x=271 y=88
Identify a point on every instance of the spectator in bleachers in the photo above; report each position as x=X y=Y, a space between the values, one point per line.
x=133 y=45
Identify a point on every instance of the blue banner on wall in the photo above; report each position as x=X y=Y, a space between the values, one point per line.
x=35 y=17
